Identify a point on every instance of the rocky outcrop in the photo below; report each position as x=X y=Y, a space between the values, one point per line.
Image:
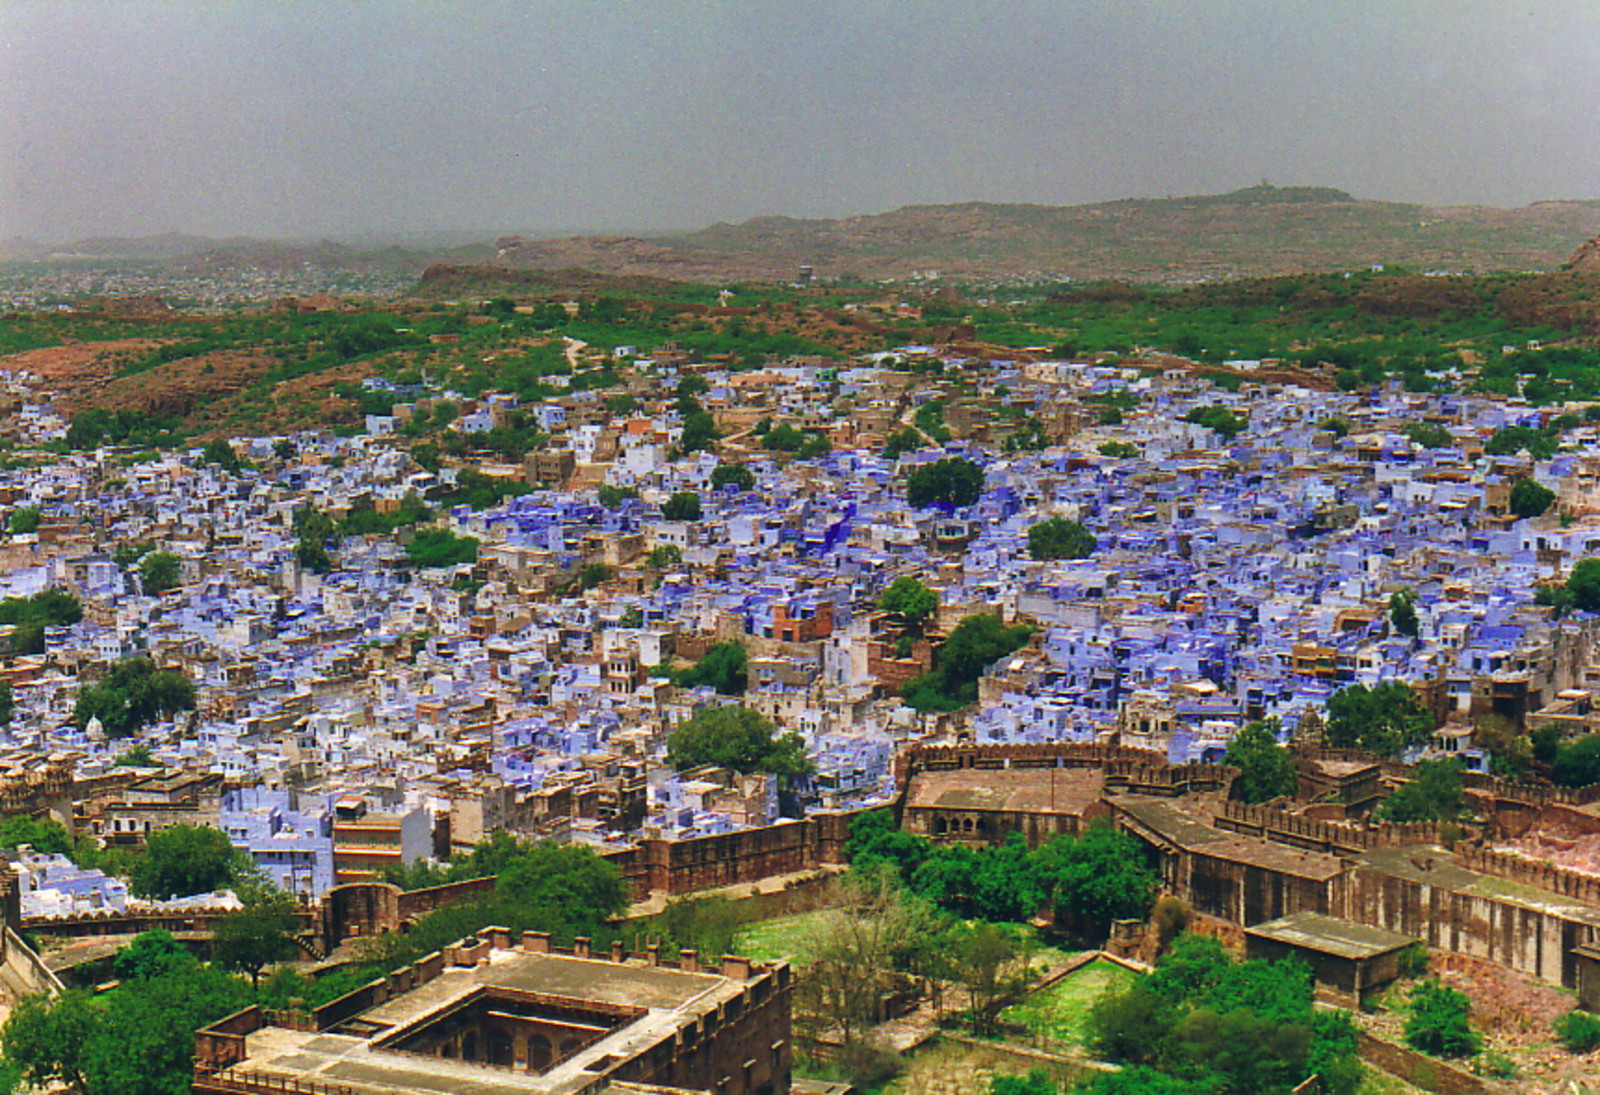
x=1586 y=259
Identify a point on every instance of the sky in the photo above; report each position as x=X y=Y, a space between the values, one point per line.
x=325 y=118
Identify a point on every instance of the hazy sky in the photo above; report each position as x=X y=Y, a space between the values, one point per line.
x=276 y=117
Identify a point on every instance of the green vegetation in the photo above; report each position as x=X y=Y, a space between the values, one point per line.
x=612 y=497
x=1060 y=1012
x=158 y=572
x=1119 y=450
x=909 y=603
x=1218 y=418
x=1578 y=1031
x=736 y=476
x=437 y=547
x=1059 y=538
x=950 y=483
x=137 y=1039
x=23 y=520
x=181 y=860
x=1386 y=719
x=1530 y=499
x=1577 y=763
x=1426 y=435
x=722 y=668
x=1434 y=793
x=1090 y=880
x=131 y=696
x=739 y=739
x=805 y=444
x=902 y=442
x=29 y=616
x=1403 y=613
x=1245 y=1028
x=1266 y=769
x=1437 y=1021
x=972 y=646
x=682 y=506
x=92 y=428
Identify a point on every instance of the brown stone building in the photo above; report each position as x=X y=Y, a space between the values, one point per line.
x=499 y=1016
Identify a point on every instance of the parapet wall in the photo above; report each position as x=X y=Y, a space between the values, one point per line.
x=1322 y=836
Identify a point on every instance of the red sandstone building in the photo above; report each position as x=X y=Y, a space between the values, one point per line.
x=495 y=1016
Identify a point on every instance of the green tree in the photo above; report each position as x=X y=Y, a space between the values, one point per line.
x=1530 y=499
x=950 y=483
x=1433 y=793
x=1403 y=612
x=1266 y=769
x=133 y=694
x=574 y=889
x=991 y=961
x=136 y=757
x=1438 y=1021
x=1429 y=435
x=184 y=859
x=154 y=953
x=220 y=453
x=1583 y=585
x=737 y=738
x=437 y=547
x=1059 y=538
x=145 y=1042
x=1097 y=877
x=1385 y=719
x=42 y=835
x=909 y=602
x=974 y=644
x=1218 y=418
x=158 y=572
x=23 y=520
x=45 y=1039
x=284 y=449
x=902 y=442
x=682 y=506
x=612 y=497
x=735 y=475
x=257 y=935
x=723 y=667
x=664 y=557
x=8 y=703
x=594 y=574
x=1577 y=763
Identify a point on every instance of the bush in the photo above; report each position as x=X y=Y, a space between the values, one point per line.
x=1438 y=1022
x=1578 y=1031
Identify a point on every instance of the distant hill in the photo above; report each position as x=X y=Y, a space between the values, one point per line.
x=1258 y=231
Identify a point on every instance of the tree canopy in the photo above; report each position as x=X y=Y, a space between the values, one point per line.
x=185 y=859
x=131 y=696
x=972 y=646
x=1266 y=769
x=949 y=483
x=1530 y=499
x=1386 y=719
x=909 y=601
x=1433 y=793
x=737 y=738
x=1403 y=612
x=158 y=572
x=1245 y=1028
x=682 y=506
x=722 y=668
x=1059 y=538
x=736 y=476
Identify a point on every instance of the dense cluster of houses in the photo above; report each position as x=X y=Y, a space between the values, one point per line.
x=381 y=713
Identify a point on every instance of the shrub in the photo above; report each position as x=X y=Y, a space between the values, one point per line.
x=1578 y=1031
x=1438 y=1022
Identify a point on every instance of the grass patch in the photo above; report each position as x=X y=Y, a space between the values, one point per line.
x=1058 y=1012
x=787 y=937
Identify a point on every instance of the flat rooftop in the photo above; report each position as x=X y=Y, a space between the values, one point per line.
x=1331 y=935
x=355 y=1055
